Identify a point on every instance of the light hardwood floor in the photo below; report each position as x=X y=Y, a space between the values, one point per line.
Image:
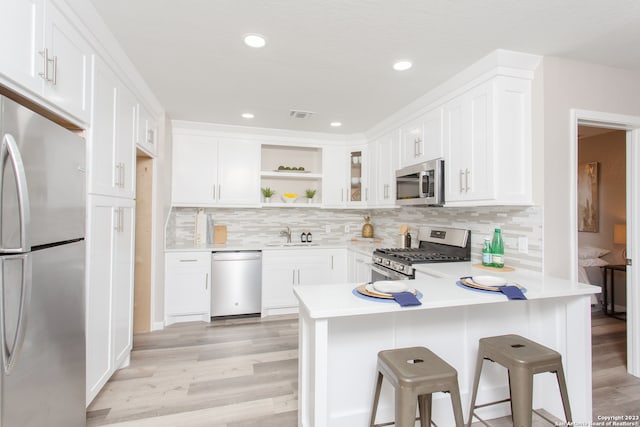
x=243 y=373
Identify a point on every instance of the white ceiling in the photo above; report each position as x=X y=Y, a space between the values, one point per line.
x=334 y=57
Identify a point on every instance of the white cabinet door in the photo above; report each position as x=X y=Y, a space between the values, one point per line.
x=146 y=130
x=125 y=149
x=194 y=175
x=123 y=281
x=334 y=177
x=70 y=58
x=238 y=173
x=109 y=290
x=313 y=268
x=101 y=151
x=21 y=38
x=359 y=267
x=383 y=177
x=469 y=138
x=358 y=176
x=111 y=147
x=99 y=329
x=187 y=284
x=422 y=138
x=278 y=278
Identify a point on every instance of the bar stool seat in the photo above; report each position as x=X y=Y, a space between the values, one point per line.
x=523 y=359
x=416 y=373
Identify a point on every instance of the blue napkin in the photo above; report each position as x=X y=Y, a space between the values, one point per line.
x=405 y=299
x=512 y=292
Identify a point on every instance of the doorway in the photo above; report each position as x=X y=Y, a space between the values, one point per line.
x=630 y=125
x=143 y=251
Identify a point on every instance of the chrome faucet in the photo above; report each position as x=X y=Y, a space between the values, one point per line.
x=287 y=233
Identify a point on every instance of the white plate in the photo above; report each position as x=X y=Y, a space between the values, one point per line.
x=489 y=280
x=388 y=286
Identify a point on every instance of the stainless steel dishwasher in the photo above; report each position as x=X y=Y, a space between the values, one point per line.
x=236 y=283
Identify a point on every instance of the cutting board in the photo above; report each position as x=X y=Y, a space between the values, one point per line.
x=219 y=234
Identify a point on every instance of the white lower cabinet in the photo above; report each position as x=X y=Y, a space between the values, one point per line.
x=109 y=294
x=283 y=269
x=187 y=289
x=359 y=267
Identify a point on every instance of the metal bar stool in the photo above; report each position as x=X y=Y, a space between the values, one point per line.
x=523 y=359
x=416 y=373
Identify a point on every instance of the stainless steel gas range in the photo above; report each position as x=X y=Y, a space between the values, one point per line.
x=435 y=244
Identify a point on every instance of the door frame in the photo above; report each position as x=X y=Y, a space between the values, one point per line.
x=631 y=124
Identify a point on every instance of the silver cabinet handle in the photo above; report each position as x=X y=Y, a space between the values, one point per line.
x=219 y=191
x=116 y=221
x=293 y=278
x=122 y=172
x=54 y=79
x=188 y=260
x=45 y=64
x=206 y=281
x=10 y=153
x=366 y=194
x=466 y=179
x=461 y=185
x=116 y=181
x=332 y=262
x=214 y=192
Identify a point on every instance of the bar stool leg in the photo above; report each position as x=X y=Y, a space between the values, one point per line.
x=563 y=393
x=406 y=403
x=521 y=388
x=476 y=381
x=457 y=406
x=376 y=398
x=424 y=407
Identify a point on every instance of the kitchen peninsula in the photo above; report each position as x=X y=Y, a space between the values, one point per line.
x=341 y=334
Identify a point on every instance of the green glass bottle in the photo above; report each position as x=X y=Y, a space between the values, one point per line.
x=497 y=249
x=486 y=253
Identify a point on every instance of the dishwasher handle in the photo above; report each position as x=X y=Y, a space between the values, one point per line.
x=236 y=256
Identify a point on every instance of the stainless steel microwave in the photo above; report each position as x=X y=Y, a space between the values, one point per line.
x=421 y=184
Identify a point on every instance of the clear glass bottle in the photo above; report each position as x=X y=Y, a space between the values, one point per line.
x=486 y=253
x=497 y=249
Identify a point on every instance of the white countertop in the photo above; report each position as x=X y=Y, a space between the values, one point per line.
x=360 y=247
x=329 y=301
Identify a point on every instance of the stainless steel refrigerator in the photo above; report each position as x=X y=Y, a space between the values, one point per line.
x=42 y=253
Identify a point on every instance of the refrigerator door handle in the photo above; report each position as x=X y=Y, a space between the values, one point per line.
x=10 y=355
x=10 y=149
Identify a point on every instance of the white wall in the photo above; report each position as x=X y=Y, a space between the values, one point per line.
x=568 y=85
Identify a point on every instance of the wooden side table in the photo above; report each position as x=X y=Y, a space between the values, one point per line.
x=611 y=269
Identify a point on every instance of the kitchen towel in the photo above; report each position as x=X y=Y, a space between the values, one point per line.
x=405 y=299
x=512 y=292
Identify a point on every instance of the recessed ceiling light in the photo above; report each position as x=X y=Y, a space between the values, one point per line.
x=247 y=115
x=254 y=40
x=336 y=124
x=402 y=65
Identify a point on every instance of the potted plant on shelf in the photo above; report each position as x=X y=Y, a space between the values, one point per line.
x=267 y=193
x=310 y=193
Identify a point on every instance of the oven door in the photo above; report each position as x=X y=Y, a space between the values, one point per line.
x=379 y=273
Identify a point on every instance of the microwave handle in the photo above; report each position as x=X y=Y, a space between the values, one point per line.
x=421 y=176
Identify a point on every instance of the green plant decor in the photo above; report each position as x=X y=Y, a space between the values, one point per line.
x=310 y=193
x=267 y=192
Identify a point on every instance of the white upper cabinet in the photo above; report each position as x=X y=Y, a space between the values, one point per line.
x=41 y=51
x=21 y=38
x=334 y=182
x=111 y=148
x=382 y=174
x=345 y=177
x=422 y=138
x=146 y=130
x=213 y=172
x=488 y=140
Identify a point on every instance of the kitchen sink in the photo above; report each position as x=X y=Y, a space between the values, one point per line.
x=291 y=244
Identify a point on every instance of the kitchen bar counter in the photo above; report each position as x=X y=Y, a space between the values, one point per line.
x=341 y=334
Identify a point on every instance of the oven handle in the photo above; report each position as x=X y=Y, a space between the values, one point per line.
x=390 y=274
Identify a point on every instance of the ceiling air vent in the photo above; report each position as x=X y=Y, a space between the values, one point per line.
x=299 y=114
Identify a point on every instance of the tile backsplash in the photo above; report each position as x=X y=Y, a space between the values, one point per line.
x=328 y=226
